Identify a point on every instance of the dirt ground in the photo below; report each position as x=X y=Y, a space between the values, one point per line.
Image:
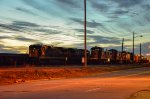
x=142 y=94
x=19 y=75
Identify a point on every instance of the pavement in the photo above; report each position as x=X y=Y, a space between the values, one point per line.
x=123 y=84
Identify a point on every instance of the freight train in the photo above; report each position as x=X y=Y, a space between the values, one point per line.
x=50 y=55
x=43 y=55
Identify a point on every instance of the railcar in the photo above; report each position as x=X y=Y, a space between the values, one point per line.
x=8 y=59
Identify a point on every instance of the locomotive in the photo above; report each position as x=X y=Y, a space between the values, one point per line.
x=98 y=55
x=44 y=55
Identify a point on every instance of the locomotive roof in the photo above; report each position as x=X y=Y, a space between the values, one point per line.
x=113 y=50
x=36 y=45
x=93 y=48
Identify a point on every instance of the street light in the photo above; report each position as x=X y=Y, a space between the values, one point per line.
x=140 y=52
x=122 y=50
x=85 y=49
x=133 y=44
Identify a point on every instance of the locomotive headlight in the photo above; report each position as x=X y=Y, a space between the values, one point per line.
x=108 y=60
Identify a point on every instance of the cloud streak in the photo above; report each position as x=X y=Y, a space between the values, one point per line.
x=70 y=3
x=91 y=24
x=25 y=11
x=127 y=3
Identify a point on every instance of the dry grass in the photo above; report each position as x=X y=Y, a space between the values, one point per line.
x=19 y=75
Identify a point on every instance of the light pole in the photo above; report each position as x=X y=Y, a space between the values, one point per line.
x=133 y=44
x=122 y=50
x=85 y=49
x=140 y=52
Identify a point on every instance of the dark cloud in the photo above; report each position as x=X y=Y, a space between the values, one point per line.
x=147 y=18
x=91 y=24
x=26 y=11
x=45 y=7
x=21 y=38
x=77 y=20
x=94 y=24
x=38 y=6
x=126 y=26
x=107 y=10
x=82 y=30
x=18 y=26
x=24 y=24
x=49 y=31
x=106 y=40
x=146 y=7
x=70 y=3
x=1 y=46
x=11 y=27
x=33 y=4
x=43 y=30
x=112 y=18
x=114 y=12
x=127 y=3
x=99 y=6
x=140 y=23
x=4 y=37
x=120 y=12
x=69 y=6
x=117 y=14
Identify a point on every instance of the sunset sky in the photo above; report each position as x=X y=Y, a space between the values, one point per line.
x=60 y=23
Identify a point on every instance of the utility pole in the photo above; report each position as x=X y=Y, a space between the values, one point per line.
x=85 y=49
x=122 y=44
x=133 y=49
x=133 y=44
